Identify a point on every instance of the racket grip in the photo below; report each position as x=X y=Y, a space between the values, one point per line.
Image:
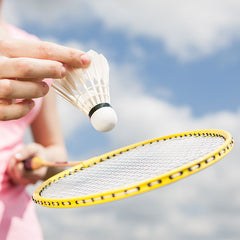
x=33 y=163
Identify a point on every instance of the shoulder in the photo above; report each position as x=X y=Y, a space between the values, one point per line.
x=16 y=32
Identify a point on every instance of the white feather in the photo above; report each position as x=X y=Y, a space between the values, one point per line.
x=86 y=87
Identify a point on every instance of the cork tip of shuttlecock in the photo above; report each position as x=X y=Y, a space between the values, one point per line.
x=104 y=119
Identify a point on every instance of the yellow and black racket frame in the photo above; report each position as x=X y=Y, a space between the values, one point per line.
x=140 y=187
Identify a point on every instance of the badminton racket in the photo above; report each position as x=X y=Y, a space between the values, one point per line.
x=134 y=169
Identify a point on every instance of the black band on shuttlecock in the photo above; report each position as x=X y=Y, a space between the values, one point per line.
x=95 y=108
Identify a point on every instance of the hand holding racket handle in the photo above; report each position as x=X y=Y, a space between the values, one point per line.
x=33 y=163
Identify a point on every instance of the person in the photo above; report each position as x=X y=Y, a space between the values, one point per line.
x=27 y=100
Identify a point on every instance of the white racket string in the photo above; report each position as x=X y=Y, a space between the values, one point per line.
x=133 y=166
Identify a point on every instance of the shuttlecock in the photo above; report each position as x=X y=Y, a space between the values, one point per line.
x=88 y=90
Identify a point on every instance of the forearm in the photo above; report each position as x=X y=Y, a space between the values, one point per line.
x=47 y=132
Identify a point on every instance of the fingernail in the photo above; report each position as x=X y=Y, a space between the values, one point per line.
x=63 y=71
x=85 y=59
x=31 y=103
x=45 y=87
x=18 y=156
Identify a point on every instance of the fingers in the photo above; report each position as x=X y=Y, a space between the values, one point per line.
x=14 y=111
x=23 y=63
x=16 y=170
x=20 y=176
x=43 y=50
x=30 y=68
x=16 y=89
x=29 y=150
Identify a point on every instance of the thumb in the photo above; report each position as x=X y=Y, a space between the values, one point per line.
x=27 y=151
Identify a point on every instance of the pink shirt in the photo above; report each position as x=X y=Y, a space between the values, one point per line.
x=17 y=215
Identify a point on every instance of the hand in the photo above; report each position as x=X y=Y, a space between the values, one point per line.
x=23 y=66
x=18 y=174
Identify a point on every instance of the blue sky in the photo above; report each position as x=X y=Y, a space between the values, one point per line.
x=173 y=67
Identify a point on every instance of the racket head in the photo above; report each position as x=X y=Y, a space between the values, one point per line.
x=195 y=165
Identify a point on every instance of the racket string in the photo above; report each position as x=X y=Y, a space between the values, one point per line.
x=135 y=165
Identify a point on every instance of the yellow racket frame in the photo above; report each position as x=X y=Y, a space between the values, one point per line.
x=133 y=189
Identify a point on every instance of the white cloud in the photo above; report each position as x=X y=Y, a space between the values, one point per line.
x=71 y=117
x=52 y=13
x=10 y=13
x=142 y=115
x=187 y=28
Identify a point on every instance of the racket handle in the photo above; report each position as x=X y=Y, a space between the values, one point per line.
x=33 y=163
